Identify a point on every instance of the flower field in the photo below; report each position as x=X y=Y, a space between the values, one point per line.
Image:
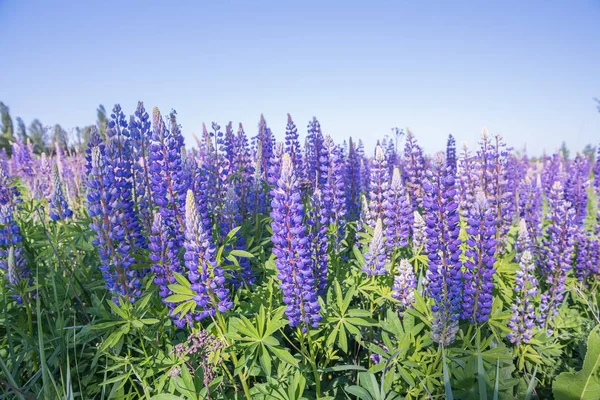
x=242 y=267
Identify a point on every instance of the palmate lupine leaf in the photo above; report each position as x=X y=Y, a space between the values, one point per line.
x=585 y=384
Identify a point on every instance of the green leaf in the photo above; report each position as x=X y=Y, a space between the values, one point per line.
x=178 y=298
x=284 y=355
x=117 y=309
x=265 y=360
x=165 y=397
x=585 y=384
x=447 y=385
x=242 y=253
x=359 y=392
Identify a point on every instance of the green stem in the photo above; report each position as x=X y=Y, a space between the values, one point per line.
x=30 y=327
x=314 y=366
x=221 y=326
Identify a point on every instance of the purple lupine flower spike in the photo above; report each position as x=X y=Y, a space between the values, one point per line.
x=291 y=248
x=405 y=284
x=413 y=171
x=375 y=259
x=418 y=232
x=467 y=170
x=378 y=185
x=597 y=175
x=398 y=214
x=292 y=146
x=479 y=265
x=318 y=221
x=443 y=246
x=576 y=188
x=334 y=191
x=207 y=278
x=523 y=242
x=522 y=321
x=451 y=153
x=59 y=208
x=315 y=155
x=530 y=209
x=558 y=255
x=353 y=183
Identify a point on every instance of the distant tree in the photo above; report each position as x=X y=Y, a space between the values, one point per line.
x=6 y=120
x=60 y=136
x=590 y=152
x=398 y=133
x=38 y=136
x=102 y=121
x=564 y=150
x=85 y=136
x=21 y=130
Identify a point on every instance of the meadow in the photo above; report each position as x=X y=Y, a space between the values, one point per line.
x=138 y=266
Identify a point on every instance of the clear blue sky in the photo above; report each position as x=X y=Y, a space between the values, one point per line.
x=526 y=69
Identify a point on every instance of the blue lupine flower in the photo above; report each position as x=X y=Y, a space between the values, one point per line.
x=576 y=187
x=467 y=180
x=530 y=210
x=553 y=171
x=443 y=246
x=418 y=232
x=140 y=130
x=375 y=259
x=291 y=247
x=106 y=212
x=379 y=183
x=334 y=194
x=353 y=183
x=451 y=153
x=398 y=214
x=478 y=278
x=405 y=284
x=318 y=221
x=558 y=255
x=413 y=170
x=522 y=321
x=316 y=155
x=292 y=147
x=59 y=208
x=207 y=278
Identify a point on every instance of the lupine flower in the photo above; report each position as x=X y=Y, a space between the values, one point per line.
x=530 y=209
x=318 y=221
x=140 y=129
x=207 y=278
x=587 y=248
x=291 y=249
x=258 y=196
x=375 y=258
x=59 y=208
x=365 y=216
x=378 y=184
x=523 y=242
x=353 y=183
x=12 y=259
x=42 y=184
x=292 y=146
x=418 y=231
x=334 y=194
x=242 y=169
x=523 y=318
x=165 y=264
x=479 y=265
x=315 y=155
x=413 y=171
x=266 y=141
x=118 y=154
x=443 y=246
x=405 y=283
x=576 y=188
x=468 y=182
x=553 y=171
x=558 y=255
x=451 y=153
x=105 y=210
x=397 y=213
x=24 y=165
x=390 y=156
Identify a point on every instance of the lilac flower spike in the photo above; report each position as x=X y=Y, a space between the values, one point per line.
x=418 y=231
x=398 y=214
x=480 y=253
x=451 y=153
x=353 y=183
x=558 y=255
x=207 y=278
x=576 y=188
x=413 y=170
x=378 y=185
x=522 y=321
x=443 y=246
x=376 y=257
x=405 y=283
x=59 y=208
x=291 y=247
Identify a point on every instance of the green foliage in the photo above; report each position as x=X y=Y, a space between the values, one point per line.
x=584 y=384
